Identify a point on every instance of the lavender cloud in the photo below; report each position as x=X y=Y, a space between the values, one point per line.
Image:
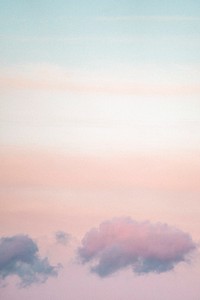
x=62 y=237
x=19 y=256
x=145 y=247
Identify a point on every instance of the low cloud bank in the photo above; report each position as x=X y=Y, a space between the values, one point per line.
x=145 y=247
x=19 y=256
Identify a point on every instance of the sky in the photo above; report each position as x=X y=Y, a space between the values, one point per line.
x=99 y=149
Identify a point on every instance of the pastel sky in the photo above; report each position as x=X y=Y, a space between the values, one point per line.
x=99 y=128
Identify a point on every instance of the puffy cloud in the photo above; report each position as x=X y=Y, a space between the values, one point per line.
x=19 y=256
x=62 y=237
x=145 y=247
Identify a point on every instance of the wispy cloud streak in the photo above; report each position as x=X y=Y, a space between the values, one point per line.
x=101 y=87
x=157 y=18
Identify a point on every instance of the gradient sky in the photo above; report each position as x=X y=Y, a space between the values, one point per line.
x=99 y=118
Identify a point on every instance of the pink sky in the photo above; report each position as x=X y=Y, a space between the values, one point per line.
x=100 y=145
x=148 y=170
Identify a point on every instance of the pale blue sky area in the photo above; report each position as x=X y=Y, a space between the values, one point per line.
x=84 y=33
x=111 y=45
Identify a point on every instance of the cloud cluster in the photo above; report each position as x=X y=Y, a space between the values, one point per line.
x=19 y=256
x=145 y=247
x=62 y=237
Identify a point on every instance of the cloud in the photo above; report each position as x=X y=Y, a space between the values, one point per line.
x=145 y=247
x=19 y=256
x=157 y=18
x=62 y=237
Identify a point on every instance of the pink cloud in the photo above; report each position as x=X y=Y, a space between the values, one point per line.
x=145 y=247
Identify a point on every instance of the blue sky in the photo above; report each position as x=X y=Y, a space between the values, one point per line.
x=79 y=33
x=92 y=45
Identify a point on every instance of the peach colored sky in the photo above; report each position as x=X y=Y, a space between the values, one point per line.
x=58 y=189
x=112 y=159
x=72 y=165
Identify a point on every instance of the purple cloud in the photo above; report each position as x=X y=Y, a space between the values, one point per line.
x=19 y=256
x=145 y=247
x=62 y=237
